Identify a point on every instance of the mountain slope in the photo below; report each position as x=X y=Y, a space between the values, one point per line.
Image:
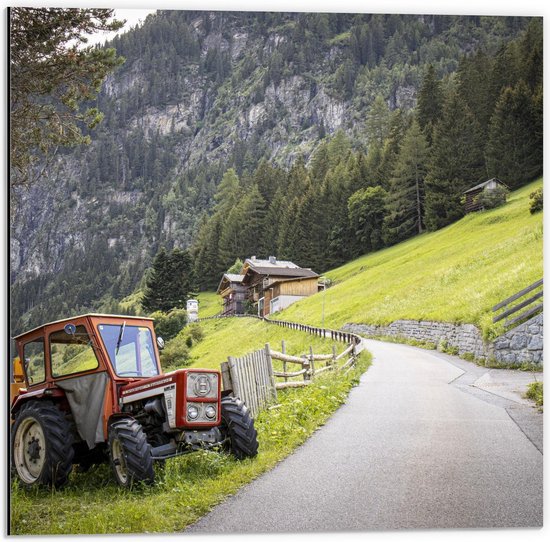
x=455 y=274
x=201 y=92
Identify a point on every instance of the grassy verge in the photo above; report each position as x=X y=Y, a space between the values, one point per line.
x=452 y=275
x=208 y=343
x=188 y=486
x=534 y=392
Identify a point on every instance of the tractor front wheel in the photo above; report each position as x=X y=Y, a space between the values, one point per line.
x=238 y=427
x=130 y=453
x=41 y=445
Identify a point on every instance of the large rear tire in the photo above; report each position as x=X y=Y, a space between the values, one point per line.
x=130 y=453
x=41 y=445
x=238 y=426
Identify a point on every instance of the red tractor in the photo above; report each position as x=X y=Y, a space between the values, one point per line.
x=90 y=389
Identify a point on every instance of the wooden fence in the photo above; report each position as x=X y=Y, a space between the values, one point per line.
x=252 y=377
x=528 y=304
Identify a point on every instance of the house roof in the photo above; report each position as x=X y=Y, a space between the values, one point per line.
x=284 y=271
x=229 y=277
x=483 y=185
x=274 y=263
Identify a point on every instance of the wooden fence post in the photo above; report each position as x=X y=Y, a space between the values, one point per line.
x=283 y=350
x=311 y=362
x=333 y=362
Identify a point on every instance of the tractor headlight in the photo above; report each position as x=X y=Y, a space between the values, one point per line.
x=210 y=412
x=202 y=386
x=192 y=412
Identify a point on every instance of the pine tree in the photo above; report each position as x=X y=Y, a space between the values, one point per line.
x=405 y=202
x=366 y=211
x=430 y=103
x=169 y=282
x=378 y=121
x=156 y=295
x=456 y=163
x=514 y=149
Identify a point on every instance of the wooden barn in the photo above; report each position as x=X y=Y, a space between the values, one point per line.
x=470 y=195
x=233 y=294
x=270 y=285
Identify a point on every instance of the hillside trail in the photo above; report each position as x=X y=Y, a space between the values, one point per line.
x=417 y=445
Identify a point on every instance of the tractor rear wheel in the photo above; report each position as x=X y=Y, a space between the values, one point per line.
x=41 y=445
x=130 y=453
x=238 y=426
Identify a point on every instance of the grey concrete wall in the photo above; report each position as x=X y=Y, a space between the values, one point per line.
x=519 y=345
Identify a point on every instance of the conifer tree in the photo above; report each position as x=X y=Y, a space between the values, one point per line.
x=514 y=149
x=169 y=281
x=378 y=121
x=430 y=103
x=405 y=201
x=366 y=211
x=456 y=163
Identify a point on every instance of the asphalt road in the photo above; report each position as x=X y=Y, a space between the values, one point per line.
x=415 y=446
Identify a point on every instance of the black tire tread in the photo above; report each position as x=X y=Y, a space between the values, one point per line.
x=59 y=441
x=239 y=427
x=139 y=460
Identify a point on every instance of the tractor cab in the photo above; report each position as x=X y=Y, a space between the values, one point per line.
x=122 y=346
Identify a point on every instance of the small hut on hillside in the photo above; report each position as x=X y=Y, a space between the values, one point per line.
x=471 y=195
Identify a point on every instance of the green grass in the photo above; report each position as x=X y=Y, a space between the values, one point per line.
x=535 y=392
x=238 y=336
x=188 y=486
x=210 y=304
x=452 y=275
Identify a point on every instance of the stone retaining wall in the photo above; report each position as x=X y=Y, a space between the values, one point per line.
x=522 y=344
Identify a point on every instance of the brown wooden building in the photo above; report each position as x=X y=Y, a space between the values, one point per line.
x=471 y=203
x=263 y=280
x=233 y=294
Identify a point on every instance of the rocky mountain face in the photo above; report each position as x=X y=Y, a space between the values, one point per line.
x=200 y=92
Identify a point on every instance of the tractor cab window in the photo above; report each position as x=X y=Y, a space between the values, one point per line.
x=130 y=349
x=33 y=361
x=72 y=352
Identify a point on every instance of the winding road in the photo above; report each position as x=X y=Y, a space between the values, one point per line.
x=417 y=445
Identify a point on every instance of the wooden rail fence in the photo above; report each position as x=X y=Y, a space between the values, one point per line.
x=529 y=302
x=252 y=377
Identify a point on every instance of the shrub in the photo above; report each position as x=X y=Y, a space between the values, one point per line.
x=535 y=205
x=490 y=199
x=169 y=324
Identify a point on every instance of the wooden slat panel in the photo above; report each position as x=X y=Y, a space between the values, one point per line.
x=518 y=295
x=517 y=307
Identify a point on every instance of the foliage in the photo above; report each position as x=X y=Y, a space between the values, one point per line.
x=51 y=76
x=366 y=214
x=455 y=275
x=236 y=267
x=169 y=281
x=490 y=199
x=535 y=392
x=537 y=200
x=430 y=103
x=169 y=324
x=405 y=203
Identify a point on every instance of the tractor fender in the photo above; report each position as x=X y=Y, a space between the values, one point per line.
x=43 y=393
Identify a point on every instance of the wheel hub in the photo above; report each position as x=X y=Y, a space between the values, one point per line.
x=33 y=449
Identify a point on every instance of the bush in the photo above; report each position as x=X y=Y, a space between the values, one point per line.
x=169 y=324
x=490 y=199
x=535 y=205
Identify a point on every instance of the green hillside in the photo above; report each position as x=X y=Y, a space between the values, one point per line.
x=455 y=274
